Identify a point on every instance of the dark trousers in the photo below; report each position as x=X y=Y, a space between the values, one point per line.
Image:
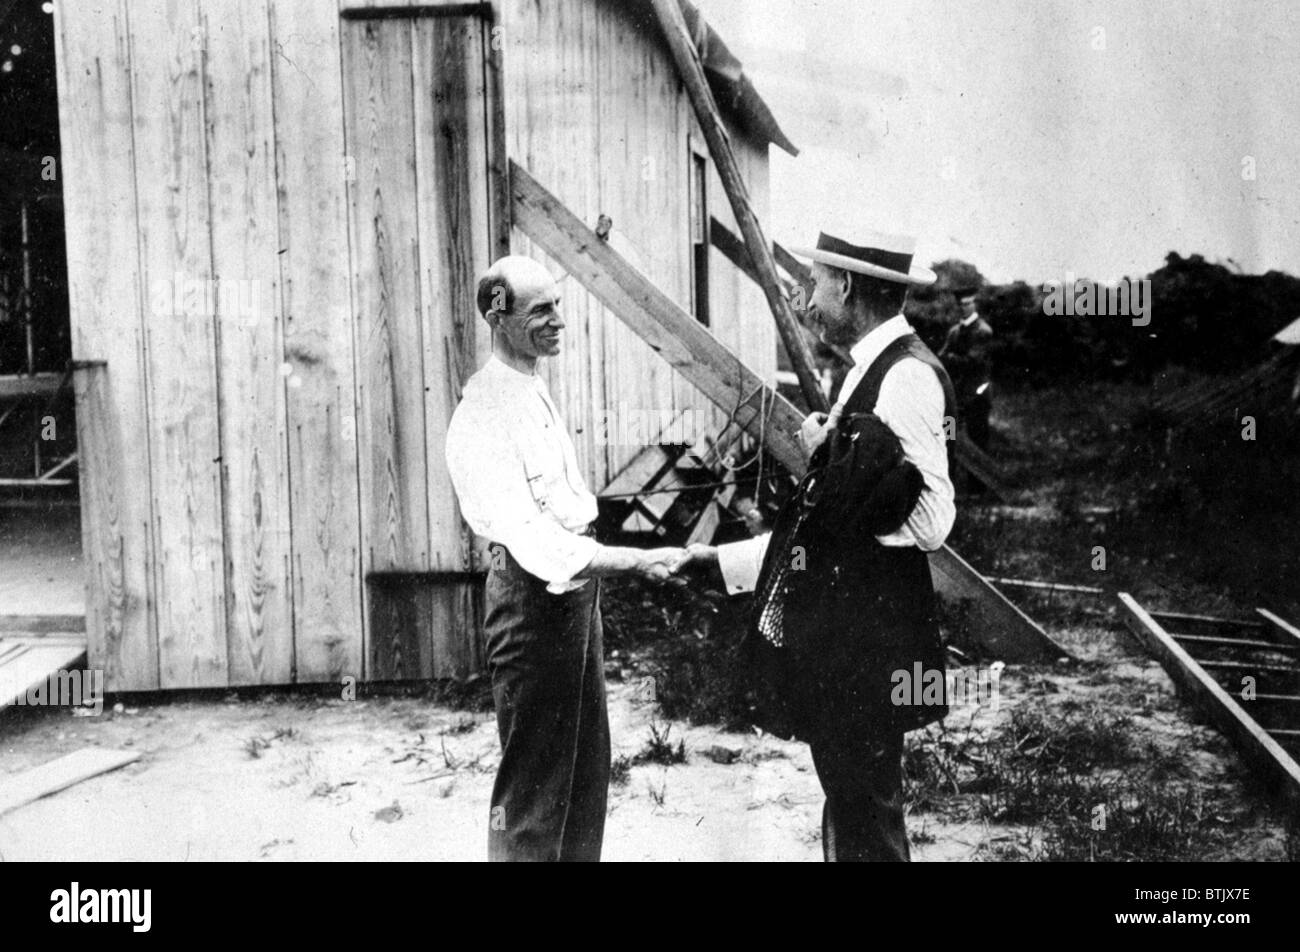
x=862 y=777
x=547 y=662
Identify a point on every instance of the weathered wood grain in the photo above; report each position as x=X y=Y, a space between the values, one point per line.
x=451 y=147
x=377 y=72
x=245 y=259
x=450 y=112
x=313 y=171
x=105 y=304
x=173 y=217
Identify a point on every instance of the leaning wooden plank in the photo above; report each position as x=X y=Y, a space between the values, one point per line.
x=673 y=333
x=318 y=346
x=979 y=464
x=1251 y=740
x=1279 y=626
x=106 y=306
x=1000 y=626
x=30 y=785
x=706 y=526
x=691 y=72
x=31 y=665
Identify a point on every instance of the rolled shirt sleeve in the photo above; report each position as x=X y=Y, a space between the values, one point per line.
x=740 y=563
x=911 y=404
x=491 y=485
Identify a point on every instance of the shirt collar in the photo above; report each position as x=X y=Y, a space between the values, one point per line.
x=499 y=370
x=877 y=339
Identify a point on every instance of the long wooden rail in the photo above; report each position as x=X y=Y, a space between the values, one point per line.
x=1244 y=676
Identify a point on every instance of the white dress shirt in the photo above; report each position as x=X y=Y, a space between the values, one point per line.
x=911 y=404
x=516 y=475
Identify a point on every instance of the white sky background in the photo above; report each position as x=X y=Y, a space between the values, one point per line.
x=997 y=133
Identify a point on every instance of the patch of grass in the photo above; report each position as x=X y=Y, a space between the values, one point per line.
x=473 y=694
x=689 y=644
x=620 y=771
x=1074 y=775
x=659 y=748
x=462 y=725
x=1134 y=822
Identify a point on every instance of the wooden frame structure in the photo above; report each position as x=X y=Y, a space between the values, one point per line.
x=1258 y=746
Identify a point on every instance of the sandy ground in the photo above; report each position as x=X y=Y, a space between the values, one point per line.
x=292 y=776
x=390 y=779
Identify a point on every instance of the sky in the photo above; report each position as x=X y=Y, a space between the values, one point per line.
x=1036 y=139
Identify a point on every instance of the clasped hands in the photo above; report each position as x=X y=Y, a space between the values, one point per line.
x=672 y=566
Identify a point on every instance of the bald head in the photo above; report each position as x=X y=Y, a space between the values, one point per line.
x=502 y=282
x=519 y=298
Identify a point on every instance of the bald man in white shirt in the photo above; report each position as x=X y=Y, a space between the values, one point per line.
x=519 y=485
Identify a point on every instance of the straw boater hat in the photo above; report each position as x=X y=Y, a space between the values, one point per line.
x=888 y=257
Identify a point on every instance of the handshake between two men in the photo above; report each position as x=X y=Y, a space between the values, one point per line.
x=675 y=566
x=663 y=566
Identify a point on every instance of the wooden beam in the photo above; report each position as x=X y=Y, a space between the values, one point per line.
x=22 y=788
x=43 y=624
x=1279 y=626
x=38 y=385
x=1236 y=643
x=706 y=526
x=691 y=71
x=644 y=469
x=658 y=320
x=1000 y=626
x=1048 y=586
x=1210 y=621
x=1251 y=740
x=366 y=10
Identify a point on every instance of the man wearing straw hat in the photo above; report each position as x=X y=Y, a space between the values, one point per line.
x=872 y=617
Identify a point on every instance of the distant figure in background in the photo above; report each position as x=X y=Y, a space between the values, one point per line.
x=965 y=354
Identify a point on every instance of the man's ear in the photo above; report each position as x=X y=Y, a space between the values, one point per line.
x=846 y=286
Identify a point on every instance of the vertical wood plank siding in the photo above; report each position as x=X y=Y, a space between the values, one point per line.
x=275 y=213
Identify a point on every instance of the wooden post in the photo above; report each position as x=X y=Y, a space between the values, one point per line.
x=691 y=71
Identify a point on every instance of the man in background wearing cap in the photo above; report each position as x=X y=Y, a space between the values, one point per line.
x=965 y=352
x=881 y=615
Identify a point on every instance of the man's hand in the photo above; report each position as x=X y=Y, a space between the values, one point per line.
x=700 y=562
x=816 y=428
x=661 y=565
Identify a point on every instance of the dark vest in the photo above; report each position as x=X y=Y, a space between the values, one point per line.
x=867 y=613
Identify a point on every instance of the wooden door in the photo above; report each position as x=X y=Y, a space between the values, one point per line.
x=416 y=109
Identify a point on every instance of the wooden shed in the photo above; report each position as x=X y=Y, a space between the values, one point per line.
x=276 y=211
